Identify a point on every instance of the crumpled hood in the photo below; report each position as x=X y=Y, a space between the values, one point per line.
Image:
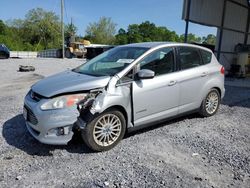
x=68 y=81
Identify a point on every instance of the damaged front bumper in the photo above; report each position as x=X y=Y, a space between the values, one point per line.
x=80 y=123
x=51 y=126
x=55 y=126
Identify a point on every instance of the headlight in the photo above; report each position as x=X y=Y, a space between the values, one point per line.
x=63 y=101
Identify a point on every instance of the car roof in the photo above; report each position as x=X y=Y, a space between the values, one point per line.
x=147 y=44
x=157 y=44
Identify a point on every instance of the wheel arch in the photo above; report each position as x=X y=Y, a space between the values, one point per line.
x=120 y=109
x=218 y=89
x=214 y=83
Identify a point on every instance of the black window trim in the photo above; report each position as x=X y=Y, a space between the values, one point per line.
x=128 y=81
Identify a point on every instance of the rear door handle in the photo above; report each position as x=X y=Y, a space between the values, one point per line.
x=171 y=83
x=204 y=74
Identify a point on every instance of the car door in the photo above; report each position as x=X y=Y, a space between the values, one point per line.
x=157 y=98
x=192 y=76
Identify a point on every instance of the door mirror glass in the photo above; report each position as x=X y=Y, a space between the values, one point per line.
x=146 y=74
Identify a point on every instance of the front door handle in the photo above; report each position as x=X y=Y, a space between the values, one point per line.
x=171 y=83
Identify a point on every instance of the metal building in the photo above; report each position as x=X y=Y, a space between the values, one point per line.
x=231 y=17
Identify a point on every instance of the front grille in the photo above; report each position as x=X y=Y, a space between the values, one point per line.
x=30 y=116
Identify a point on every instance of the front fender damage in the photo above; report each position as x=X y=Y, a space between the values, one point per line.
x=100 y=100
x=87 y=108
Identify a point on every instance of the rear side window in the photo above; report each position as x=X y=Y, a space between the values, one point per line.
x=206 y=56
x=189 y=57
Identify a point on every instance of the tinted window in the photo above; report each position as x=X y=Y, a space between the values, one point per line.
x=189 y=58
x=160 y=61
x=206 y=56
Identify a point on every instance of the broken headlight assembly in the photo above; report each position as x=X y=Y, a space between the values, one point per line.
x=63 y=101
x=87 y=102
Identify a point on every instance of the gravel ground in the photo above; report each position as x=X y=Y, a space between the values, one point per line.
x=188 y=152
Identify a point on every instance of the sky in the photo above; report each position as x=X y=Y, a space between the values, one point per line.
x=122 y=12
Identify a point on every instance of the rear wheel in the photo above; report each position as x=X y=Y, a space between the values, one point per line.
x=210 y=104
x=105 y=131
x=68 y=54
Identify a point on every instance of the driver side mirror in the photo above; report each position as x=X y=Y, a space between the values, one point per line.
x=145 y=74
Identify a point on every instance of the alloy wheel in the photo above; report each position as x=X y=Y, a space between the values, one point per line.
x=212 y=102
x=107 y=130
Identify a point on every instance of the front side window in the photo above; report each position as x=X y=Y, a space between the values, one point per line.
x=189 y=57
x=111 y=62
x=160 y=61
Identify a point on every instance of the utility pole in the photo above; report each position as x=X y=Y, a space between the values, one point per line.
x=187 y=20
x=62 y=27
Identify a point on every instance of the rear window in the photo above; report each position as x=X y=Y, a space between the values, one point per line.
x=206 y=56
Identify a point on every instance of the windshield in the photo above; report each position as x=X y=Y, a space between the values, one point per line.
x=111 y=62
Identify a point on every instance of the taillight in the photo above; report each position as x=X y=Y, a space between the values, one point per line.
x=222 y=70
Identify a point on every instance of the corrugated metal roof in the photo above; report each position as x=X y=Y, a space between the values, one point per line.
x=235 y=17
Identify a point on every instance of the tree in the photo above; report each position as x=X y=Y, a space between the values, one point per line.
x=190 y=38
x=2 y=27
x=39 y=30
x=121 y=37
x=145 y=32
x=102 y=32
x=12 y=35
x=133 y=33
x=70 y=33
x=210 y=39
x=42 y=27
x=70 y=30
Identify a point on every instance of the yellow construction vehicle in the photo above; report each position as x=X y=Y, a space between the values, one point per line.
x=75 y=49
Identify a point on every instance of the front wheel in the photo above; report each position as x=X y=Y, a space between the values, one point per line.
x=210 y=104
x=105 y=130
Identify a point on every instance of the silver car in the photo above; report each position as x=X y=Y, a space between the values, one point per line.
x=123 y=89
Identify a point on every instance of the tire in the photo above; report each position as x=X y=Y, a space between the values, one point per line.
x=98 y=133
x=68 y=54
x=80 y=56
x=210 y=103
x=26 y=68
x=59 y=53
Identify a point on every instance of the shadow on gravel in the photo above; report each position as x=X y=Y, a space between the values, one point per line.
x=237 y=96
x=162 y=124
x=16 y=134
